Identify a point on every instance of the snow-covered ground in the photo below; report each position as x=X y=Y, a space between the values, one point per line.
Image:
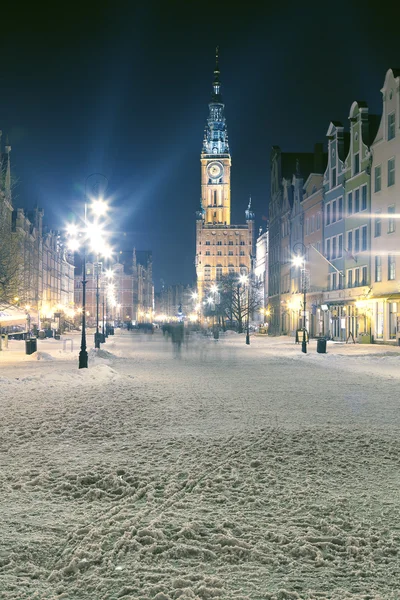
x=228 y=472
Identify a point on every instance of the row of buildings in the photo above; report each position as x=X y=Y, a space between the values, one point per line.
x=37 y=272
x=126 y=290
x=339 y=209
x=41 y=280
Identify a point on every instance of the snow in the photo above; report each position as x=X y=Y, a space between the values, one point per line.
x=228 y=471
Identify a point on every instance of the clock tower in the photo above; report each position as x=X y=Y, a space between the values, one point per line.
x=221 y=248
x=216 y=160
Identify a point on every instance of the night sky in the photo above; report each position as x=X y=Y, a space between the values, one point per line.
x=123 y=89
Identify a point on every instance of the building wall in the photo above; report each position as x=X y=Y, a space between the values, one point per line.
x=385 y=230
x=261 y=271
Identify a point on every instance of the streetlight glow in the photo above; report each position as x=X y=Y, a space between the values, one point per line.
x=298 y=260
x=99 y=207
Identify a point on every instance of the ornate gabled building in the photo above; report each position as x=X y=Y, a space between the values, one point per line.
x=288 y=173
x=221 y=248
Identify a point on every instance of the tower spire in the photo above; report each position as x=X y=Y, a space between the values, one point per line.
x=215 y=134
x=216 y=97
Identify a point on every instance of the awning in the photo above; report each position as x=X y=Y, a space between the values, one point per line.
x=11 y=316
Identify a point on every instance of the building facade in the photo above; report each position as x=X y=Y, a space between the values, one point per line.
x=125 y=289
x=384 y=303
x=286 y=230
x=261 y=272
x=221 y=248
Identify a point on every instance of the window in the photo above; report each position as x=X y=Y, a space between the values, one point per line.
x=230 y=253
x=328 y=248
x=356 y=163
x=230 y=243
x=356 y=277
x=334 y=177
x=215 y=197
x=357 y=200
x=391 y=223
x=340 y=211
x=356 y=240
x=242 y=253
x=328 y=214
x=392 y=320
x=340 y=246
x=208 y=253
x=219 y=253
x=218 y=273
x=312 y=221
x=363 y=238
x=242 y=243
x=378 y=224
x=378 y=178
x=219 y=243
x=364 y=276
x=349 y=241
x=318 y=221
x=350 y=203
x=334 y=243
x=349 y=278
x=391 y=126
x=391 y=267
x=208 y=243
x=378 y=268
x=391 y=172
x=207 y=273
x=333 y=286
x=307 y=226
x=364 y=197
x=334 y=211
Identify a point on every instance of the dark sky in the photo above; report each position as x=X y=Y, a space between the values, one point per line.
x=122 y=89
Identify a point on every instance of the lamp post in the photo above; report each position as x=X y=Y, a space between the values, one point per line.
x=299 y=260
x=244 y=280
x=92 y=235
x=28 y=320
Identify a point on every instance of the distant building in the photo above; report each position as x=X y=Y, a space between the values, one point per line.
x=126 y=287
x=174 y=300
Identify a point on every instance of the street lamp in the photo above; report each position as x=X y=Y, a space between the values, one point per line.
x=244 y=280
x=91 y=235
x=28 y=320
x=299 y=260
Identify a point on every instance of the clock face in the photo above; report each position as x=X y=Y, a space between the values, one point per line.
x=215 y=170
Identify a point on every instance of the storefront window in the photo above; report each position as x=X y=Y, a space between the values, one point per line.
x=392 y=320
x=379 y=320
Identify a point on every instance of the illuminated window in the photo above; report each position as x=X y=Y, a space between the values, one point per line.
x=378 y=268
x=378 y=224
x=391 y=267
x=391 y=223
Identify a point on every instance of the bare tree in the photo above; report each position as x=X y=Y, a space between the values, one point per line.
x=238 y=301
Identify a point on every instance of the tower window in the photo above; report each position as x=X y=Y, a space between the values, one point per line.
x=215 y=197
x=215 y=215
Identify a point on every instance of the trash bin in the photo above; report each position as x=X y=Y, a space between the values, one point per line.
x=30 y=346
x=321 y=345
